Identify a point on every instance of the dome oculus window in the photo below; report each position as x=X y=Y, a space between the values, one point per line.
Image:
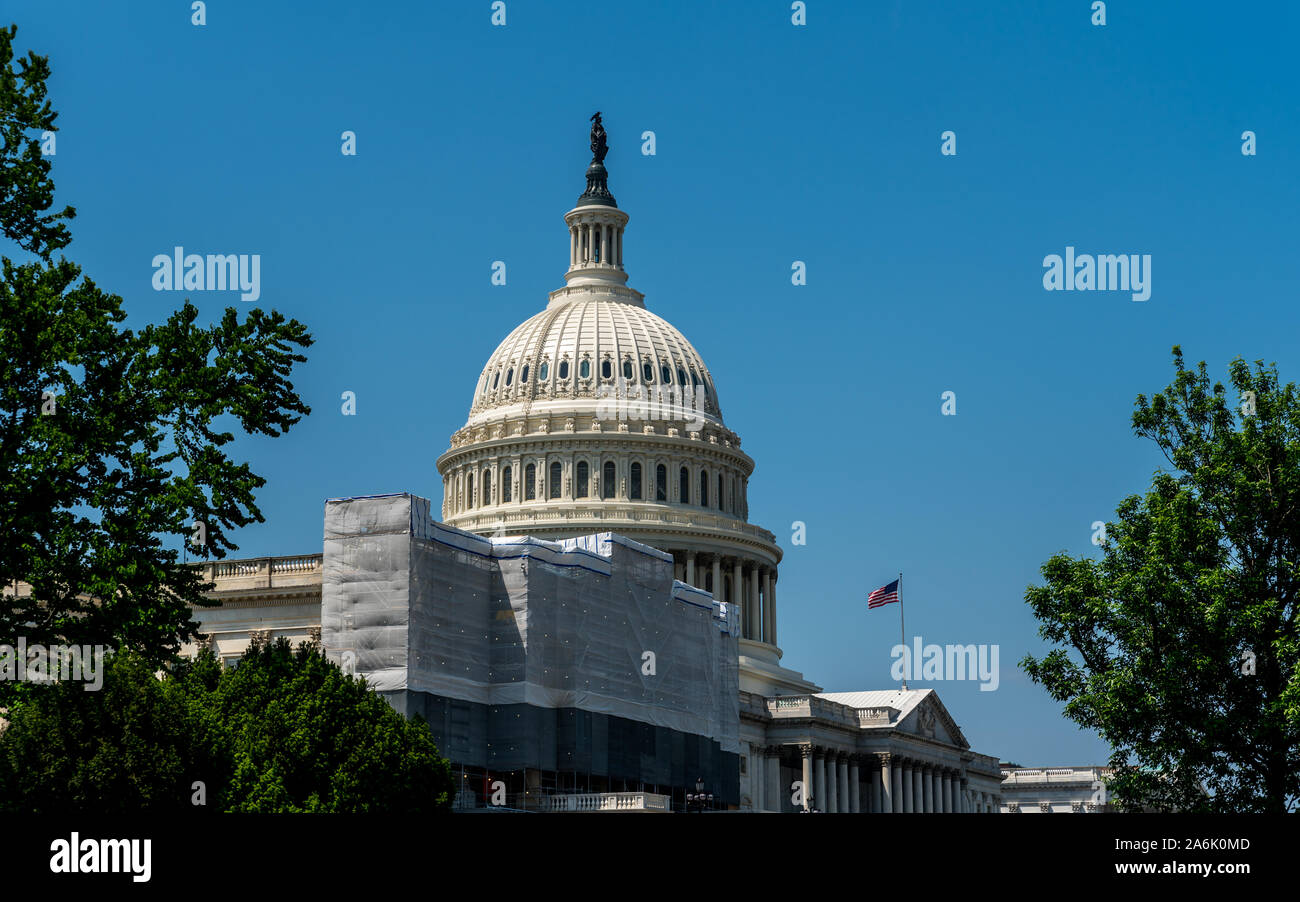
x=510 y=376
x=648 y=372
x=606 y=369
x=523 y=374
x=496 y=379
x=564 y=369
x=543 y=370
x=627 y=370
x=665 y=374
x=584 y=369
x=681 y=376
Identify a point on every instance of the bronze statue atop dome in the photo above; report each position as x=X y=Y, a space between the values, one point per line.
x=599 y=147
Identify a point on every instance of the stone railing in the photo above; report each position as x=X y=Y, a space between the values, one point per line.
x=874 y=717
x=607 y=801
x=1038 y=775
x=603 y=517
x=264 y=572
x=798 y=706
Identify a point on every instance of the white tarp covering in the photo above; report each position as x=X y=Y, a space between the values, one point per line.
x=595 y=622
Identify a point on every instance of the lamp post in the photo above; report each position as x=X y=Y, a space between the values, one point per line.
x=698 y=800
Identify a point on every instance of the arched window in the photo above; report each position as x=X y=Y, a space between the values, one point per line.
x=661 y=483
x=681 y=376
x=647 y=372
x=606 y=369
x=704 y=488
x=719 y=491
x=469 y=491
x=582 y=479
x=510 y=376
x=523 y=374
x=665 y=374
x=684 y=487
x=634 y=489
x=543 y=371
x=487 y=486
x=564 y=369
x=556 y=472
x=496 y=378
x=608 y=480
x=584 y=369
x=627 y=370
x=530 y=482
x=506 y=487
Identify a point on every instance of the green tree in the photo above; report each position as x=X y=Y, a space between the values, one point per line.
x=1179 y=645
x=111 y=439
x=284 y=731
x=308 y=738
x=137 y=744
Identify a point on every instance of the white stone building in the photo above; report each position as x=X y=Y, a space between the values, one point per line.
x=595 y=415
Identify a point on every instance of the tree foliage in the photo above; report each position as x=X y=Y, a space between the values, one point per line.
x=285 y=731
x=112 y=440
x=1179 y=645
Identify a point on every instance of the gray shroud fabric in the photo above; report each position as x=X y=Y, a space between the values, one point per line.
x=413 y=604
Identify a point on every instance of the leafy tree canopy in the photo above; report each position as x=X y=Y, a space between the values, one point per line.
x=1179 y=645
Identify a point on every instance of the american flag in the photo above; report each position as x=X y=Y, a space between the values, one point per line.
x=882 y=596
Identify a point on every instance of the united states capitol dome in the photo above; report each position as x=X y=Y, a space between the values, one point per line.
x=596 y=415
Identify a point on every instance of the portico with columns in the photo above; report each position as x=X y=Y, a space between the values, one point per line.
x=889 y=752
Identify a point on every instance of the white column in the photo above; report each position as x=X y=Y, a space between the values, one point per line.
x=717 y=578
x=573 y=246
x=774 y=793
x=769 y=614
x=947 y=792
x=896 y=798
x=832 y=805
x=805 y=753
x=887 y=793
x=819 y=780
x=756 y=774
x=908 y=794
x=927 y=789
x=690 y=568
x=855 y=784
x=918 y=789
x=754 y=604
x=843 y=795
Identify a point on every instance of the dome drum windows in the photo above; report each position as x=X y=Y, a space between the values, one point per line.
x=583 y=480
x=634 y=483
x=661 y=483
x=684 y=486
x=507 y=488
x=608 y=480
x=704 y=488
x=530 y=482
x=557 y=474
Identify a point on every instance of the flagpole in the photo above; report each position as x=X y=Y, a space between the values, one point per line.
x=902 y=632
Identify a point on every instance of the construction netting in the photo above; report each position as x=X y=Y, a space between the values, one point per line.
x=595 y=623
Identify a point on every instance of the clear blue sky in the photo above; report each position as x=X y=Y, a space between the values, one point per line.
x=775 y=144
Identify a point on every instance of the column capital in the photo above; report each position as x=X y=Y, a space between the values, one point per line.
x=805 y=749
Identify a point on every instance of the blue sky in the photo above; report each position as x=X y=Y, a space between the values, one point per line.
x=775 y=143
